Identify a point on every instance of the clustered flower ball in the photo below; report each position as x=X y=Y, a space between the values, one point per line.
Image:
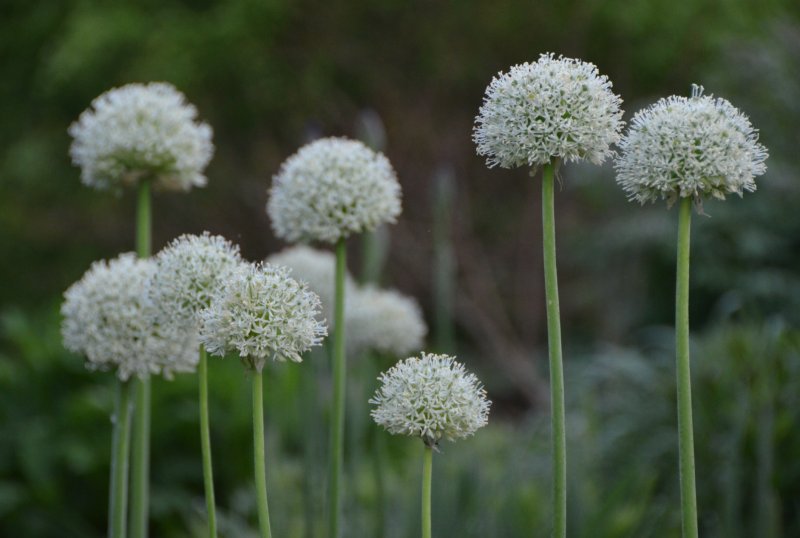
x=553 y=108
x=109 y=317
x=141 y=132
x=188 y=272
x=689 y=148
x=330 y=189
x=262 y=313
x=384 y=321
x=431 y=397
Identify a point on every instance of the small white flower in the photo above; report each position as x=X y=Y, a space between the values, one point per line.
x=188 y=272
x=261 y=313
x=384 y=321
x=431 y=397
x=689 y=147
x=141 y=132
x=330 y=189
x=110 y=318
x=553 y=108
x=317 y=268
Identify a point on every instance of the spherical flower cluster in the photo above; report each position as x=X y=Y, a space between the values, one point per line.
x=384 y=321
x=431 y=397
x=109 y=317
x=317 y=268
x=330 y=189
x=141 y=132
x=689 y=147
x=261 y=313
x=188 y=272
x=553 y=108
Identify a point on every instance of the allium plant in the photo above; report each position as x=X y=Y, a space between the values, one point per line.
x=537 y=115
x=328 y=190
x=431 y=397
x=384 y=321
x=189 y=271
x=142 y=136
x=687 y=149
x=261 y=314
x=109 y=317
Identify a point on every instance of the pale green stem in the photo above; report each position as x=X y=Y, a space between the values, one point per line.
x=556 y=366
x=339 y=384
x=141 y=419
x=685 y=434
x=205 y=443
x=259 y=455
x=118 y=493
x=427 y=474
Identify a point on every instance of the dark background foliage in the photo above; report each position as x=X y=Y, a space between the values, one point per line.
x=271 y=75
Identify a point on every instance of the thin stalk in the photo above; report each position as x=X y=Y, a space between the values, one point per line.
x=427 y=473
x=556 y=366
x=685 y=432
x=141 y=419
x=118 y=493
x=259 y=456
x=339 y=384
x=205 y=443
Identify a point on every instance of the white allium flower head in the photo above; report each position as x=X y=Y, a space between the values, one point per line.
x=262 y=313
x=552 y=108
x=141 y=132
x=109 y=317
x=317 y=268
x=330 y=189
x=385 y=321
x=188 y=272
x=689 y=147
x=432 y=397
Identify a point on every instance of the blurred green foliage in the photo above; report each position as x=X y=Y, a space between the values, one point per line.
x=269 y=74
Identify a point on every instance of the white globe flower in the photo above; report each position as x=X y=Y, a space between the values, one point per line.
x=317 y=268
x=330 y=189
x=188 y=272
x=141 y=132
x=553 y=108
x=431 y=397
x=384 y=321
x=261 y=313
x=109 y=317
x=689 y=148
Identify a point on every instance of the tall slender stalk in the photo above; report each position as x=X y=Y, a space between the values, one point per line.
x=259 y=457
x=556 y=366
x=118 y=493
x=205 y=443
x=141 y=419
x=685 y=431
x=339 y=384
x=427 y=473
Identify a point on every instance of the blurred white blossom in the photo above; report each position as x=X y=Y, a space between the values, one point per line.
x=385 y=321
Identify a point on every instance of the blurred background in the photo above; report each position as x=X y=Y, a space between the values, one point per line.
x=408 y=77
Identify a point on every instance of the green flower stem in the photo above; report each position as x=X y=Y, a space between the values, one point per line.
x=556 y=366
x=141 y=419
x=259 y=457
x=339 y=384
x=427 y=474
x=118 y=494
x=685 y=435
x=205 y=443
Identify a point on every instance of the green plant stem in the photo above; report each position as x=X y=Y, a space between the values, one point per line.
x=685 y=433
x=339 y=384
x=118 y=493
x=141 y=419
x=556 y=366
x=205 y=443
x=427 y=474
x=259 y=456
